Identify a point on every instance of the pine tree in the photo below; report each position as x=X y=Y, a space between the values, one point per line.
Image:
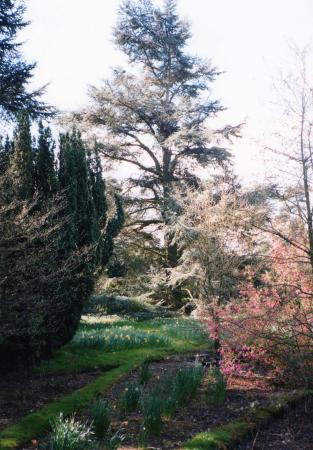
x=45 y=176
x=15 y=73
x=21 y=166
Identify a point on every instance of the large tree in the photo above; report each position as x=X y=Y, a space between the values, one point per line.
x=154 y=113
x=15 y=72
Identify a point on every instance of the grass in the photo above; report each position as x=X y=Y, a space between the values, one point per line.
x=73 y=358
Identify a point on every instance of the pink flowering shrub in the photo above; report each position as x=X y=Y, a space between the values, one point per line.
x=270 y=325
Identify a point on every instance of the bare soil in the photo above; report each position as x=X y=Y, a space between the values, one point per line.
x=24 y=392
x=294 y=431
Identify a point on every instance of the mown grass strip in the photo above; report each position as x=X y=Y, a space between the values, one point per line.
x=234 y=432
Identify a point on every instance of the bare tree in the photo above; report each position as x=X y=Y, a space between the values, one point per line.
x=295 y=159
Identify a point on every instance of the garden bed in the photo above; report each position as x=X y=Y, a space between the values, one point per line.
x=243 y=394
x=26 y=392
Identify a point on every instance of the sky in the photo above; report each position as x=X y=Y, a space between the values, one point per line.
x=71 y=40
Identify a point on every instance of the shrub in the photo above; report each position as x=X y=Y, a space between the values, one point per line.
x=130 y=398
x=101 y=418
x=70 y=434
x=270 y=324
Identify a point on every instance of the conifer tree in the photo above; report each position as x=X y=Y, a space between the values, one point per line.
x=45 y=176
x=5 y=153
x=155 y=113
x=21 y=166
x=68 y=186
x=15 y=73
x=97 y=182
x=85 y=215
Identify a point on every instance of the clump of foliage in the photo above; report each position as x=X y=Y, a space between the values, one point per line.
x=101 y=418
x=182 y=387
x=145 y=373
x=70 y=434
x=153 y=407
x=216 y=388
x=105 y=304
x=130 y=398
x=113 y=442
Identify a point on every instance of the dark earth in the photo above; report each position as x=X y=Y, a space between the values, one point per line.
x=294 y=431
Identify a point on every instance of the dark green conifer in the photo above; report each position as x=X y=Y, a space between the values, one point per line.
x=86 y=220
x=15 y=73
x=5 y=153
x=21 y=166
x=68 y=186
x=45 y=176
x=97 y=184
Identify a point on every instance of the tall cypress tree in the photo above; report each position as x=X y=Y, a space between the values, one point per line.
x=68 y=185
x=21 y=167
x=45 y=176
x=97 y=184
x=86 y=221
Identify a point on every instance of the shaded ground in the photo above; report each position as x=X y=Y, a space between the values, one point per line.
x=294 y=431
x=26 y=392
x=195 y=417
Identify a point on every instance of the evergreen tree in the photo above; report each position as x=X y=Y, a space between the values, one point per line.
x=155 y=117
x=85 y=216
x=21 y=166
x=68 y=186
x=15 y=73
x=5 y=153
x=97 y=184
x=45 y=176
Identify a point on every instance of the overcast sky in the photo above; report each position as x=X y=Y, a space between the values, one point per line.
x=71 y=41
